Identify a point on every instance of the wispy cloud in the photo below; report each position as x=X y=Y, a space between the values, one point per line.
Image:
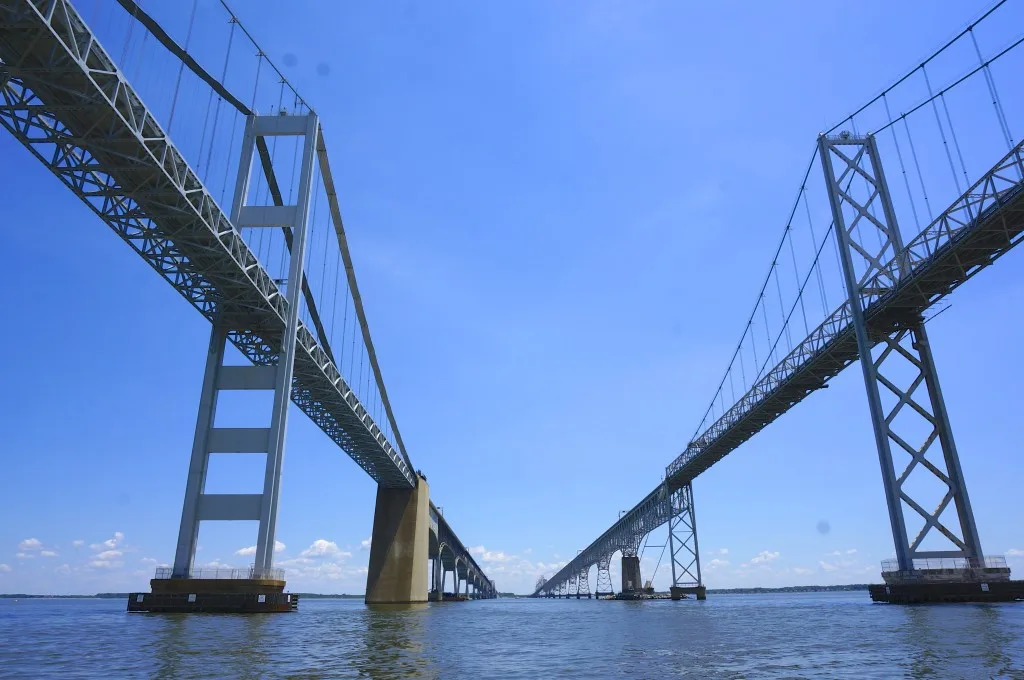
x=765 y=557
x=48 y=553
x=30 y=544
x=5 y=569
x=251 y=550
x=110 y=543
x=78 y=543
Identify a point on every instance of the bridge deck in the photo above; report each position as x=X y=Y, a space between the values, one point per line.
x=64 y=98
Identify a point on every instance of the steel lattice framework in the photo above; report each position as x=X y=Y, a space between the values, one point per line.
x=983 y=224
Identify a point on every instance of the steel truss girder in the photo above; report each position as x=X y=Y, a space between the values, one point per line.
x=682 y=539
x=62 y=96
x=983 y=224
x=871 y=271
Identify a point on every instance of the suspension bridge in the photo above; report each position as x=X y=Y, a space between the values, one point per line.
x=237 y=211
x=938 y=136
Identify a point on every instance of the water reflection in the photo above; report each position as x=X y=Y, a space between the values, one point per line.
x=949 y=640
x=394 y=644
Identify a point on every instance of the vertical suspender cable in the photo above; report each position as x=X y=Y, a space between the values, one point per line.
x=796 y=275
x=220 y=100
x=903 y=167
x=917 y=166
x=942 y=130
x=181 y=66
x=996 y=103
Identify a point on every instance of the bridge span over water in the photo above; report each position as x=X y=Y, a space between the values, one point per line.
x=886 y=288
x=263 y=258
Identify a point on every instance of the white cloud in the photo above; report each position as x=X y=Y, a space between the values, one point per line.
x=251 y=550
x=851 y=551
x=78 y=543
x=802 y=571
x=63 y=569
x=717 y=564
x=24 y=556
x=110 y=543
x=364 y=545
x=48 y=553
x=764 y=557
x=105 y=564
x=828 y=566
x=5 y=568
x=723 y=551
x=528 y=551
x=216 y=564
x=30 y=544
x=1014 y=552
x=108 y=555
x=321 y=547
x=148 y=560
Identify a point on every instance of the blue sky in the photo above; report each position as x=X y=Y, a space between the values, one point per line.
x=560 y=214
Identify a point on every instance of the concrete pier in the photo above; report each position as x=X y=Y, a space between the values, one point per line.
x=631 y=582
x=399 y=546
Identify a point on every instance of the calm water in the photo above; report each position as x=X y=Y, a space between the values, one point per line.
x=728 y=636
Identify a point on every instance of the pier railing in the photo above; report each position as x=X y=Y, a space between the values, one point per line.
x=250 y=573
x=987 y=562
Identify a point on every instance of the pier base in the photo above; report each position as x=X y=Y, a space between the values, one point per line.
x=399 y=546
x=922 y=592
x=989 y=583
x=213 y=595
x=679 y=592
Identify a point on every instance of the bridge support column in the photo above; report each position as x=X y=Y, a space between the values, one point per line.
x=437 y=572
x=682 y=546
x=907 y=410
x=399 y=547
x=604 y=587
x=631 y=582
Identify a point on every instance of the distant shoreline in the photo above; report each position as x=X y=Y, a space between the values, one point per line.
x=346 y=596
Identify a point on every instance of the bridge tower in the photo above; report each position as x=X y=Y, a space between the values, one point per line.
x=913 y=437
x=682 y=546
x=264 y=585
